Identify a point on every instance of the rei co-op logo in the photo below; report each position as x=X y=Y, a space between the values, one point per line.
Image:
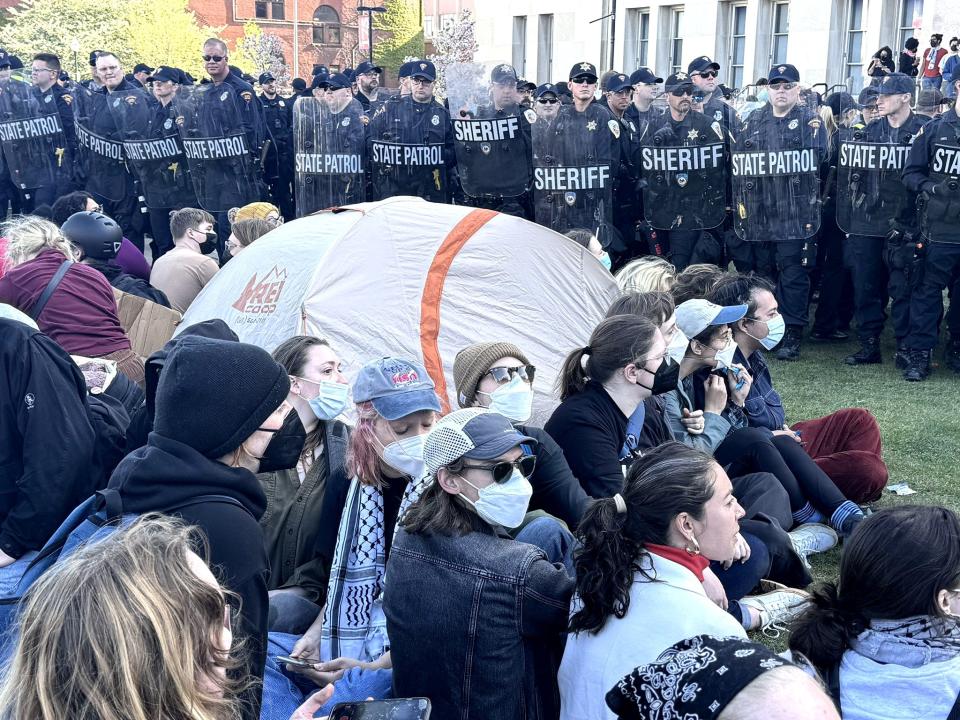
x=260 y=296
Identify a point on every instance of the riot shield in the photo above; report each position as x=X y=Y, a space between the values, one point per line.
x=102 y=162
x=683 y=172
x=492 y=145
x=869 y=191
x=405 y=147
x=329 y=147
x=153 y=149
x=216 y=146
x=32 y=136
x=775 y=167
x=940 y=210
x=574 y=169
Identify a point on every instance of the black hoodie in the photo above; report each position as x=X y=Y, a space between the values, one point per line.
x=165 y=473
x=128 y=283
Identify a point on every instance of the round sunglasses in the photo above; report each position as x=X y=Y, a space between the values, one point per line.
x=502 y=471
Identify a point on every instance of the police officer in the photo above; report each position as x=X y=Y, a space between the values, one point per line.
x=44 y=72
x=873 y=204
x=411 y=143
x=546 y=102
x=703 y=72
x=278 y=114
x=9 y=194
x=403 y=78
x=933 y=170
x=777 y=155
x=645 y=90
x=367 y=78
x=138 y=78
x=868 y=104
x=627 y=208
x=525 y=88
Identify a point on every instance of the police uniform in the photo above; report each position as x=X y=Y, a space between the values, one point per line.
x=278 y=116
x=933 y=170
x=63 y=100
x=366 y=103
x=410 y=146
x=629 y=241
x=714 y=106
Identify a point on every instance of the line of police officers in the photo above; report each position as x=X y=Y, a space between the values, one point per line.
x=681 y=173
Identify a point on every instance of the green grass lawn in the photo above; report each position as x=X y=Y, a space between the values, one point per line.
x=920 y=422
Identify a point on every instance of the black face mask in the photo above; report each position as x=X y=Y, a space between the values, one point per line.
x=285 y=446
x=665 y=378
x=210 y=244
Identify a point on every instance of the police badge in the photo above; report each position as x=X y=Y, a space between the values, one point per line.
x=794 y=124
x=485 y=148
x=224 y=96
x=718 y=115
x=682 y=179
x=716 y=128
x=48 y=98
x=167 y=124
x=614 y=126
x=530 y=115
x=435 y=120
x=570 y=198
x=346 y=121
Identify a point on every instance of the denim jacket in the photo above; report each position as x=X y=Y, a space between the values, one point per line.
x=763 y=407
x=476 y=624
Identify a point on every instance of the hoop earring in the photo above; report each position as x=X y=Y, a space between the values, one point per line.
x=695 y=550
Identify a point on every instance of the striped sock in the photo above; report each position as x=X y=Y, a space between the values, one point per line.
x=804 y=514
x=845 y=510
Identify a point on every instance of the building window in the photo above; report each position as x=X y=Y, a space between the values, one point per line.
x=738 y=44
x=428 y=26
x=910 y=12
x=676 y=40
x=260 y=10
x=781 y=30
x=447 y=21
x=853 y=63
x=545 y=49
x=636 y=48
x=276 y=10
x=520 y=45
x=326 y=26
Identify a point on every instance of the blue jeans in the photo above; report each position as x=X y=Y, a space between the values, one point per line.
x=551 y=537
x=291 y=613
x=284 y=692
x=931 y=83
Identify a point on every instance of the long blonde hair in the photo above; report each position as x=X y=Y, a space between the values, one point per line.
x=29 y=235
x=123 y=629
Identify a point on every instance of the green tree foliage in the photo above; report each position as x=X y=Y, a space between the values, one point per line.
x=404 y=23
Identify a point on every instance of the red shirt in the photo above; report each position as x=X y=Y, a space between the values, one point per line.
x=81 y=315
x=935 y=70
x=694 y=563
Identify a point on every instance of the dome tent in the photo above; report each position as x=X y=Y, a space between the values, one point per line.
x=410 y=278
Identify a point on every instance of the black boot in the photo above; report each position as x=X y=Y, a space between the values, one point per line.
x=951 y=356
x=869 y=353
x=919 y=368
x=790 y=345
x=901 y=358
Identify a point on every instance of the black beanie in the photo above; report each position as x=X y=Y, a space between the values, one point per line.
x=214 y=394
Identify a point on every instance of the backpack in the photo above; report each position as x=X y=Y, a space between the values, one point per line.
x=91 y=521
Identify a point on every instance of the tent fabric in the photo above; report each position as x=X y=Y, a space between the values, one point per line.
x=407 y=277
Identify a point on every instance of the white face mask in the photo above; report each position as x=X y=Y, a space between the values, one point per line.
x=406 y=456
x=514 y=400
x=725 y=357
x=678 y=346
x=775 y=329
x=505 y=503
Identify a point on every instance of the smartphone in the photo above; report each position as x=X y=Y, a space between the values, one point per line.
x=296 y=662
x=400 y=709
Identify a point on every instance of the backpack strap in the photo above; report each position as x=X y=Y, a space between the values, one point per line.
x=41 y=302
x=199 y=499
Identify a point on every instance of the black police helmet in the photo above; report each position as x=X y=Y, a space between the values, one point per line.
x=93 y=232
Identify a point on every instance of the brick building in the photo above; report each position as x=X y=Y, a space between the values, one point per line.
x=326 y=29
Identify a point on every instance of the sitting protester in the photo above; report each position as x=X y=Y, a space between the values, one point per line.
x=886 y=636
x=498 y=375
x=846 y=444
x=710 y=678
x=99 y=238
x=171 y=629
x=640 y=573
x=204 y=471
x=184 y=271
x=645 y=274
x=70 y=302
x=504 y=601
x=256 y=211
x=292 y=522
x=244 y=232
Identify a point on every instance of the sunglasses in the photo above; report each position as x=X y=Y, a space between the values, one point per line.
x=547 y=101
x=783 y=85
x=680 y=92
x=709 y=74
x=214 y=58
x=502 y=471
x=502 y=375
x=584 y=81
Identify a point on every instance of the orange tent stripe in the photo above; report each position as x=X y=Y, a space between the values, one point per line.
x=433 y=291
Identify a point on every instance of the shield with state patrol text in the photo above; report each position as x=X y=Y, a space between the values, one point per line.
x=216 y=145
x=683 y=171
x=102 y=162
x=775 y=167
x=153 y=148
x=574 y=169
x=940 y=211
x=407 y=145
x=491 y=131
x=32 y=137
x=329 y=148
x=870 y=193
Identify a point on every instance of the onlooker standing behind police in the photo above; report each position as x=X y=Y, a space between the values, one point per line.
x=184 y=271
x=930 y=78
x=908 y=58
x=950 y=63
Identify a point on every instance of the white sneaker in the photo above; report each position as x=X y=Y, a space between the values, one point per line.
x=778 y=609
x=811 y=538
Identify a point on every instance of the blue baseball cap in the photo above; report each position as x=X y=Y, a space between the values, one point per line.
x=321 y=79
x=695 y=316
x=644 y=76
x=503 y=74
x=896 y=84
x=867 y=96
x=339 y=81
x=396 y=387
x=405 y=69
x=423 y=69
x=783 y=73
x=366 y=67
x=545 y=89
x=471 y=433
x=165 y=73
x=698 y=65
x=617 y=83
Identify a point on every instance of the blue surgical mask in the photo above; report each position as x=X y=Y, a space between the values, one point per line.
x=775 y=330
x=605 y=260
x=330 y=401
x=514 y=400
